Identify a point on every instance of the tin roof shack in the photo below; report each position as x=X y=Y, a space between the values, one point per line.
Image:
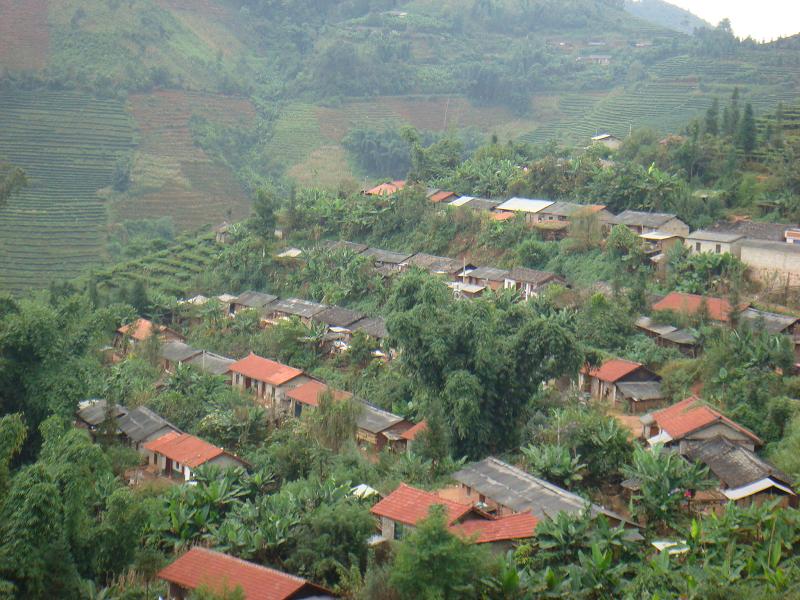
x=530 y=282
x=377 y=428
x=210 y=363
x=177 y=455
x=691 y=421
x=685 y=341
x=774 y=264
x=644 y=222
x=307 y=396
x=473 y=203
x=267 y=380
x=489 y=277
x=611 y=142
x=529 y=207
x=656 y=246
x=504 y=489
x=220 y=573
x=142 y=425
x=641 y=396
x=602 y=381
x=385 y=259
x=255 y=300
x=174 y=354
x=743 y=477
x=716 y=242
x=400 y=511
x=305 y=310
x=92 y=413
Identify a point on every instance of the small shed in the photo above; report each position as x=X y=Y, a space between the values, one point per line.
x=602 y=382
x=377 y=428
x=142 y=425
x=641 y=396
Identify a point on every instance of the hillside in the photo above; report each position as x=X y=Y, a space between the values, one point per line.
x=666 y=14
x=179 y=108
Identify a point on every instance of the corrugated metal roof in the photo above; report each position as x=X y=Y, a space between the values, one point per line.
x=528 y=205
x=771 y=322
x=647 y=324
x=177 y=351
x=647 y=219
x=488 y=273
x=298 y=307
x=141 y=422
x=374 y=419
x=641 y=390
x=336 y=316
x=211 y=363
x=256 y=300
x=372 y=326
x=734 y=465
x=93 y=412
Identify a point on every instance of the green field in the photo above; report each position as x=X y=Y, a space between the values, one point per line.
x=68 y=144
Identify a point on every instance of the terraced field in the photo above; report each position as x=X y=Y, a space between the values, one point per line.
x=68 y=144
x=177 y=271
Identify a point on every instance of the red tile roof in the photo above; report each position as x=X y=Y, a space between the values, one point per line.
x=692 y=414
x=386 y=189
x=718 y=308
x=512 y=527
x=503 y=215
x=410 y=505
x=309 y=393
x=263 y=369
x=441 y=196
x=614 y=370
x=140 y=329
x=411 y=434
x=202 y=567
x=184 y=448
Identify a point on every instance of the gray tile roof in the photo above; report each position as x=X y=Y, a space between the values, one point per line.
x=298 y=307
x=777 y=247
x=635 y=217
x=734 y=465
x=683 y=337
x=345 y=245
x=526 y=275
x=522 y=492
x=774 y=232
x=142 y=422
x=93 y=412
x=641 y=390
x=211 y=363
x=702 y=235
x=647 y=324
x=177 y=351
x=489 y=273
x=772 y=322
x=256 y=300
x=479 y=204
x=373 y=419
x=336 y=316
x=372 y=326
x=386 y=257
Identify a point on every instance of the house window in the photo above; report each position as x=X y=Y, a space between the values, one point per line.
x=697 y=247
x=719 y=248
x=399 y=531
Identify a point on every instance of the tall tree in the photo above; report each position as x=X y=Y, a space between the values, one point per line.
x=747 y=130
x=712 y=118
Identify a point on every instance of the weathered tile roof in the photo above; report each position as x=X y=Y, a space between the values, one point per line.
x=264 y=369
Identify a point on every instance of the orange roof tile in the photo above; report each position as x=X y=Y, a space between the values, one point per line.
x=410 y=505
x=263 y=369
x=503 y=216
x=692 y=414
x=718 y=308
x=441 y=196
x=309 y=393
x=184 y=448
x=613 y=370
x=202 y=567
x=386 y=189
x=512 y=527
x=140 y=329
x=411 y=434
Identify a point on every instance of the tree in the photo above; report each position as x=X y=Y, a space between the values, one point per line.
x=265 y=205
x=747 y=130
x=554 y=463
x=711 y=122
x=12 y=180
x=432 y=563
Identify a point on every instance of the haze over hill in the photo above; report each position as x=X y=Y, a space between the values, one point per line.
x=181 y=109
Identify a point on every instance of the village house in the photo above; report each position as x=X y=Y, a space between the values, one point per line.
x=220 y=574
x=602 y=60
x=388 y=188
x=386 y=260
x=377 y=429
x=142 y=425
x=267 y=380
x=774 y=324
x=755 y=230
x=210 y=363
x=657 y=246
x=488 y=277
x=174 y=354
x=445 y=267
x=437 y=196
x=466 y=291
x=502 y=489
x=252 y=300
x=564 y=212
x=91 y=414
x=715 y=242
x=178 y=455
x=337 y=317
x=645 y=222
x=133 y=334
x=410 y=435
x=372 y=327
x=406 y=506
x=473 y=203
x=694 y=305
x=611 y=142
x=742 y=476
x=690 y=421
x=308 y=395
x=641 y=396
x=685 y=341
x=305 y=310
x=222 y=233
x=530 y=282
x=526 y=206
x=774 y=264
x=602 y=382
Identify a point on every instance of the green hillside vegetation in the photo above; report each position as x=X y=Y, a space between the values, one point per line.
x=666 y=14
x=222 y=97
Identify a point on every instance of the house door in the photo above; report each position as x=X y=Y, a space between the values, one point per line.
x=168 y=466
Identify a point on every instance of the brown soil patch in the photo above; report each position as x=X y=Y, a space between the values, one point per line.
x=24 y=34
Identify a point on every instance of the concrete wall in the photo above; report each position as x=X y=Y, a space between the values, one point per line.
x=699 y=246
x=772 y=267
